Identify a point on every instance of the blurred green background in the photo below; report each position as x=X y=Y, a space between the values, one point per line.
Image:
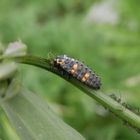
x=105 y=34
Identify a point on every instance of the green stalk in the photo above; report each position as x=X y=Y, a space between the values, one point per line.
x=113 y=106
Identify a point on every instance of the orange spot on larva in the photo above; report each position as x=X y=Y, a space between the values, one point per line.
x=58 y=61
x=75 y=66
x=85 y=77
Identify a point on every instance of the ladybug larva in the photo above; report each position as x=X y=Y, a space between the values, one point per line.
x=78 y=70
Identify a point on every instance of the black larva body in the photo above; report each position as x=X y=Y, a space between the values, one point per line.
x=78 y=70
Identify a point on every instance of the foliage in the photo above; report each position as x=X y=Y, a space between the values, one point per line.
x=112 y=51
x=31 y=117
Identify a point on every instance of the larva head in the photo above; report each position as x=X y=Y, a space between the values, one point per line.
x=59 y=60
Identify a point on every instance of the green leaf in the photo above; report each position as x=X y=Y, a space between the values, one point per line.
x=121 y=110
x=7 y=70
x=33 y=119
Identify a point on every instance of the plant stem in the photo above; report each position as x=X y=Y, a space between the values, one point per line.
x=113 y=106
